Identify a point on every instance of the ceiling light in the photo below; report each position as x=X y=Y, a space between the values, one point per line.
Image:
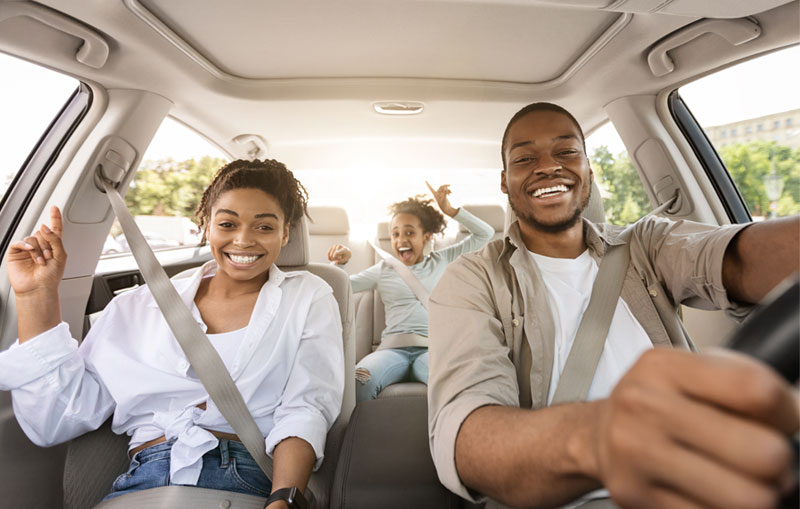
x=398 y=107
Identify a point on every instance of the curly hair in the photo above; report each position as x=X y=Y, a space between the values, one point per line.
x=432 y=220
x=269 y=175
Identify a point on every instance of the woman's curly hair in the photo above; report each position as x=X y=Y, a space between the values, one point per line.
x=432 y=220
x=269 y=175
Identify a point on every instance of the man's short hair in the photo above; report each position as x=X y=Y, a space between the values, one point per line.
x=532 y=108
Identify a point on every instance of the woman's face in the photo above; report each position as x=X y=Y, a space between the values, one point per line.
x=408 y=238
x=246 y=232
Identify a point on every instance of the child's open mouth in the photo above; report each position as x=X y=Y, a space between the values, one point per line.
x=406 y=254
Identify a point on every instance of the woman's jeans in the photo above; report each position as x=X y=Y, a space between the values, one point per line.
x=382 y=368
x=228 y=467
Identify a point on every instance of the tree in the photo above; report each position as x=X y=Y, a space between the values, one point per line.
x=170 y=188
x=750 y=163
x=624 y=197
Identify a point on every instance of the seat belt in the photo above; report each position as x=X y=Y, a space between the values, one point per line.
x=587 y=348
x=405 y=273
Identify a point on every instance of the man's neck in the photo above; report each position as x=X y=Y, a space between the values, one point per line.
x=564 y=244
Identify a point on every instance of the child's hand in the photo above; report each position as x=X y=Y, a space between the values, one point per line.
x=440 y=195
x=339 y=254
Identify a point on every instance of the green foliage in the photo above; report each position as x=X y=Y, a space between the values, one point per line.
x=624 y=198
x=749 y=164
x=170 y=188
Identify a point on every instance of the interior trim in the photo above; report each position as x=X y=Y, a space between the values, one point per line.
x=712 y=163
x=187 y=49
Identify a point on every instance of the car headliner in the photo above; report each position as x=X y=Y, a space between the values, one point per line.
x=304 y=75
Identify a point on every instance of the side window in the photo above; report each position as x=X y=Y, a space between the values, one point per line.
x=166 y=190
x=624 y=197
x=30 y=98
x=751 y=115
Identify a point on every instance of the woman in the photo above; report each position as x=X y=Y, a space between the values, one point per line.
x=279 y=335
x=403 y=354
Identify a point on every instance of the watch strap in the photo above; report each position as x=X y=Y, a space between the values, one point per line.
x=292 y=496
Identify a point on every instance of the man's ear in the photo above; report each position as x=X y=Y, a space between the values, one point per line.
x=285 y=239
x=426 y=237
x=503 y=185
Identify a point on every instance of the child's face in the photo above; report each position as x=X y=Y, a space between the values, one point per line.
x=408 y=238
x=246 y=232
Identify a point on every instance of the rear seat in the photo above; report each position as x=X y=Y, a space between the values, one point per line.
x=494 y=215
x=330 y=225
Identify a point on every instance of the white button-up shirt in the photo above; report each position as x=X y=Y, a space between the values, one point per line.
x=289 y=369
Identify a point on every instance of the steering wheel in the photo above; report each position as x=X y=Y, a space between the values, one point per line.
x=772 y=335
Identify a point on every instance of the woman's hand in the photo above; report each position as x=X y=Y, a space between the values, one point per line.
x=36 y=264
x=339 y=254
x=440 y=195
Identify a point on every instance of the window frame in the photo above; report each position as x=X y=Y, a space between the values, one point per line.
x=26 y=182
x=713 y=165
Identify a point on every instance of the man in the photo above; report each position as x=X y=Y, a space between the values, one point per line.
x=662 y=427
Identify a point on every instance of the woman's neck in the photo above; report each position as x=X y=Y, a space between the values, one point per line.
x=222 y=286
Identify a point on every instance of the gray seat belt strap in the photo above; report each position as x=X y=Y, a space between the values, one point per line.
x=195 y=344
x=579 y=370
x=587 y=348
x=410 y=279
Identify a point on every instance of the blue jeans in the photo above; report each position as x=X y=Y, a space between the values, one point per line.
x=228 y=467
x=382 y=368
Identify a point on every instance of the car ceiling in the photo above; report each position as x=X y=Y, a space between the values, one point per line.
x=304 y=75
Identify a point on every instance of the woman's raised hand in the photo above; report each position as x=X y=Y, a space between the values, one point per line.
x=339 y=254
x=36 y=264
x=440 y=195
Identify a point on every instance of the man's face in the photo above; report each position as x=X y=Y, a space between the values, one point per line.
x=547 y=177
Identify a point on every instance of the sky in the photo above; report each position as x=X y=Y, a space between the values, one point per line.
x=31 y=96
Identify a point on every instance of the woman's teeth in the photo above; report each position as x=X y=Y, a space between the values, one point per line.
x=243 y=260
x=548 y=191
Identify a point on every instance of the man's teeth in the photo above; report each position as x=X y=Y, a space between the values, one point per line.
x=402 y=249
x=550 y=190
x=244 y=260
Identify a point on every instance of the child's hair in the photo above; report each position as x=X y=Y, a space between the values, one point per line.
x=269 y=175
x=432 y=220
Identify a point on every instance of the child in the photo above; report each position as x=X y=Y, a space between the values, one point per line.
x=403 y=354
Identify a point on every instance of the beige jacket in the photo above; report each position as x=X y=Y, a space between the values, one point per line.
x=472 y=364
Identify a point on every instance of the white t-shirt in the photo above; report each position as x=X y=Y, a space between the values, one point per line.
x=569 y=285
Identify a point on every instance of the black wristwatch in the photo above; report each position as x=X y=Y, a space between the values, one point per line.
x=292 y=496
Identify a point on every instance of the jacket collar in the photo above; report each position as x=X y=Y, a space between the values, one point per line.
x=596 y=238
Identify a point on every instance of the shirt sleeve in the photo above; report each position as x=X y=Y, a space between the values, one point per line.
x=367 y=279
x=312 y=398
x=55 y=397
x=687 y=258
x=469 y=362
x=480 y=235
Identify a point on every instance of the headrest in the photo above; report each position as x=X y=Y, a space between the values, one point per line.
x=494 y=215
x=328 y=221
x=594 y=210
x=295 y=252
x=382 y=230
